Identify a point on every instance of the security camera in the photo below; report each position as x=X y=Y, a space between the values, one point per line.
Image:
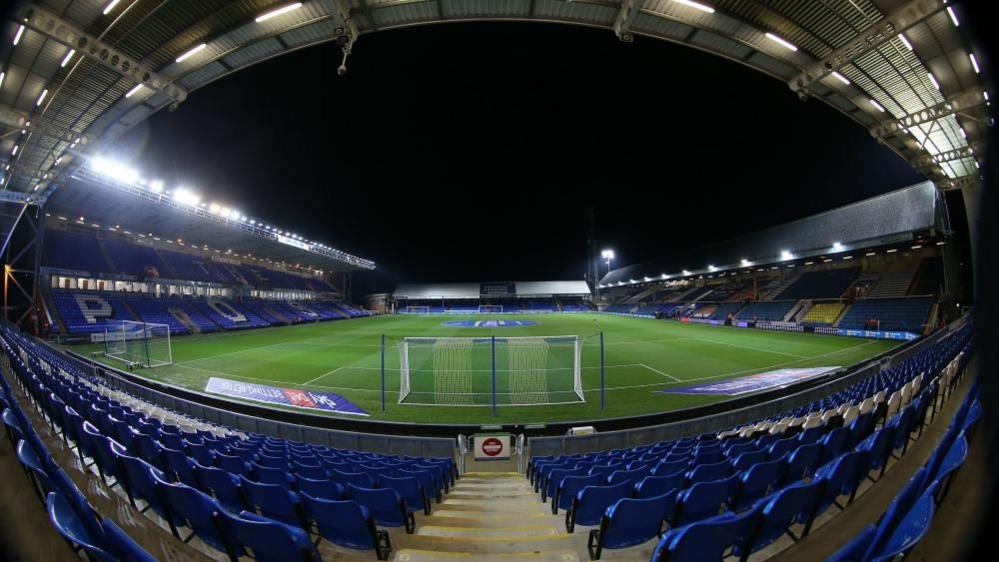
x=341 y=70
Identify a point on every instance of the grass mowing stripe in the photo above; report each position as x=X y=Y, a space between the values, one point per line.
x=634 y=350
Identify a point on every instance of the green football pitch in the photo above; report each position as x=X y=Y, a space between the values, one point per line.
x=641 y=357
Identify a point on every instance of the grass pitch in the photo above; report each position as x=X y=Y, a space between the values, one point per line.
x=642 y=356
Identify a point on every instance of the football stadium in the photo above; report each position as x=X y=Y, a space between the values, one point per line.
x=430 y=294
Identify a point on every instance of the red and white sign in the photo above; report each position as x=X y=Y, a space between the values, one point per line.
x=492 y=447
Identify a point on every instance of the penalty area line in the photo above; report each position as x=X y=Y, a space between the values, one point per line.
x=657 y=371
x=327 y=373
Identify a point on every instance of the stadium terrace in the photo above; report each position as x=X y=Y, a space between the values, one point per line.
x=183 y=381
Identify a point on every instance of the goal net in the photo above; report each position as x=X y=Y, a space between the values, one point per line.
x=470 y=371
x=141 y=344
x=491 y=308
x=418 y=309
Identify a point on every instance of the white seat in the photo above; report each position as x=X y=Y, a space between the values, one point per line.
x=894 y=402
x=867 y=405
x=779 y=427
x=880 y=396
x=812 y=422
x=906 y=394
x=851 y=414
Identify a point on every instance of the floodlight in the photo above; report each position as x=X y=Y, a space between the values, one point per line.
x=685 y=272
x=68 y=57
x=840 y=77
x=933 y=80
x=953 y=16
x=17 y=36
x=696 y=5
x=110 y=6
x=607 y=254
x=974 y=63
x=41 y=97
x=2 y=74
x=114 y=170
x=134 y=89
x=877 y=105
x=837 y=247
x=186 y=196
x=712 y=268
x=781 y=41
x=190 y=52
x=786 y=255
x=745 y=263
x=13 y=152
x=214 y=208
x=277 y=12
x=156 y=186
x=905 y=41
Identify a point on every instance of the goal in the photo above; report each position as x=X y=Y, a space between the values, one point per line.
x=494 y=308
x=482 y=371
x=141 y=344
x=418 y=310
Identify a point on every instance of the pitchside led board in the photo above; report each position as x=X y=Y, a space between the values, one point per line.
x=492 y=447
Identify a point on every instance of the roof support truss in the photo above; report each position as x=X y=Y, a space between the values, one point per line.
x=882 y=31
x=957 y=104
x=625 y=17
x=42 y=21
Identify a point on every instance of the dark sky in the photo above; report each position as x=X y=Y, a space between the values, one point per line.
x=468 y=152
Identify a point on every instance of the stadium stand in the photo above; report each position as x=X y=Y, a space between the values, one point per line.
x=69 y=251
x=214 y=482
x=231 y=490
x=89 y=312
x=820 y=284
x=823 y=314
x=133 y=259
x=767 y=310
x=900 y=314
x=893 y=282
x=84 y=312
x=724 y=310
x=929 y=277
x=762 y=477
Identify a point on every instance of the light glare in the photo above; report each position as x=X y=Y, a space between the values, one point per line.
x=781 y=41
x=190 y=52
x=68 y=57
x=17 y=36
x=110 y=6
x=840 y=77
x=277 y=12
x=134 y=89
x=696 y=5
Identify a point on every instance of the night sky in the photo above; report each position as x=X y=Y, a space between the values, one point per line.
x=469 y=152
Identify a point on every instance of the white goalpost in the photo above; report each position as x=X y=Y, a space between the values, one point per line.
x=483 y=371
x=414 y=309
x=491 y=308
x=142 y=344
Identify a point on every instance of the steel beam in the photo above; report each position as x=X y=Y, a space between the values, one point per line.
x=956 y=104
x=882 y=31
x=625 y=17
x=946 y=156
x=47 y=23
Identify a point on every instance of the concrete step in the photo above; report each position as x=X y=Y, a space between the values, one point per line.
x=505 y=505
x=494 y=494
x=481 y=532
x=467 y=518
x=509 y=543
x=418 y=555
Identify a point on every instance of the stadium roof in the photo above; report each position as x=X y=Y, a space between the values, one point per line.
x=417 y=291
x=898 y=217
x=94 y=200
x=79 y=73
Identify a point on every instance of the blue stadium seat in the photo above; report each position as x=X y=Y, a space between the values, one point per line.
x=760 y=480
x=909 y=530
x=267 y=539
x=68 y=523
x=347 y=523
x=705 y=499
x=324 y=489
x=793 y=504
x=709 y=472
x=591 y=502
x=802 y=463
x=197 y=511
x=387 y=506
x=223 y=485
x=274 y=501
x=659 y=485
x=841 y=477
x=629 y=522
x=411 y=491
x=570 y=486
x=117 y=543
x=707 y=540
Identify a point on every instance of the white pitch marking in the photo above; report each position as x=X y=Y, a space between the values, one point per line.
x=654 y=370
x=324 y=374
